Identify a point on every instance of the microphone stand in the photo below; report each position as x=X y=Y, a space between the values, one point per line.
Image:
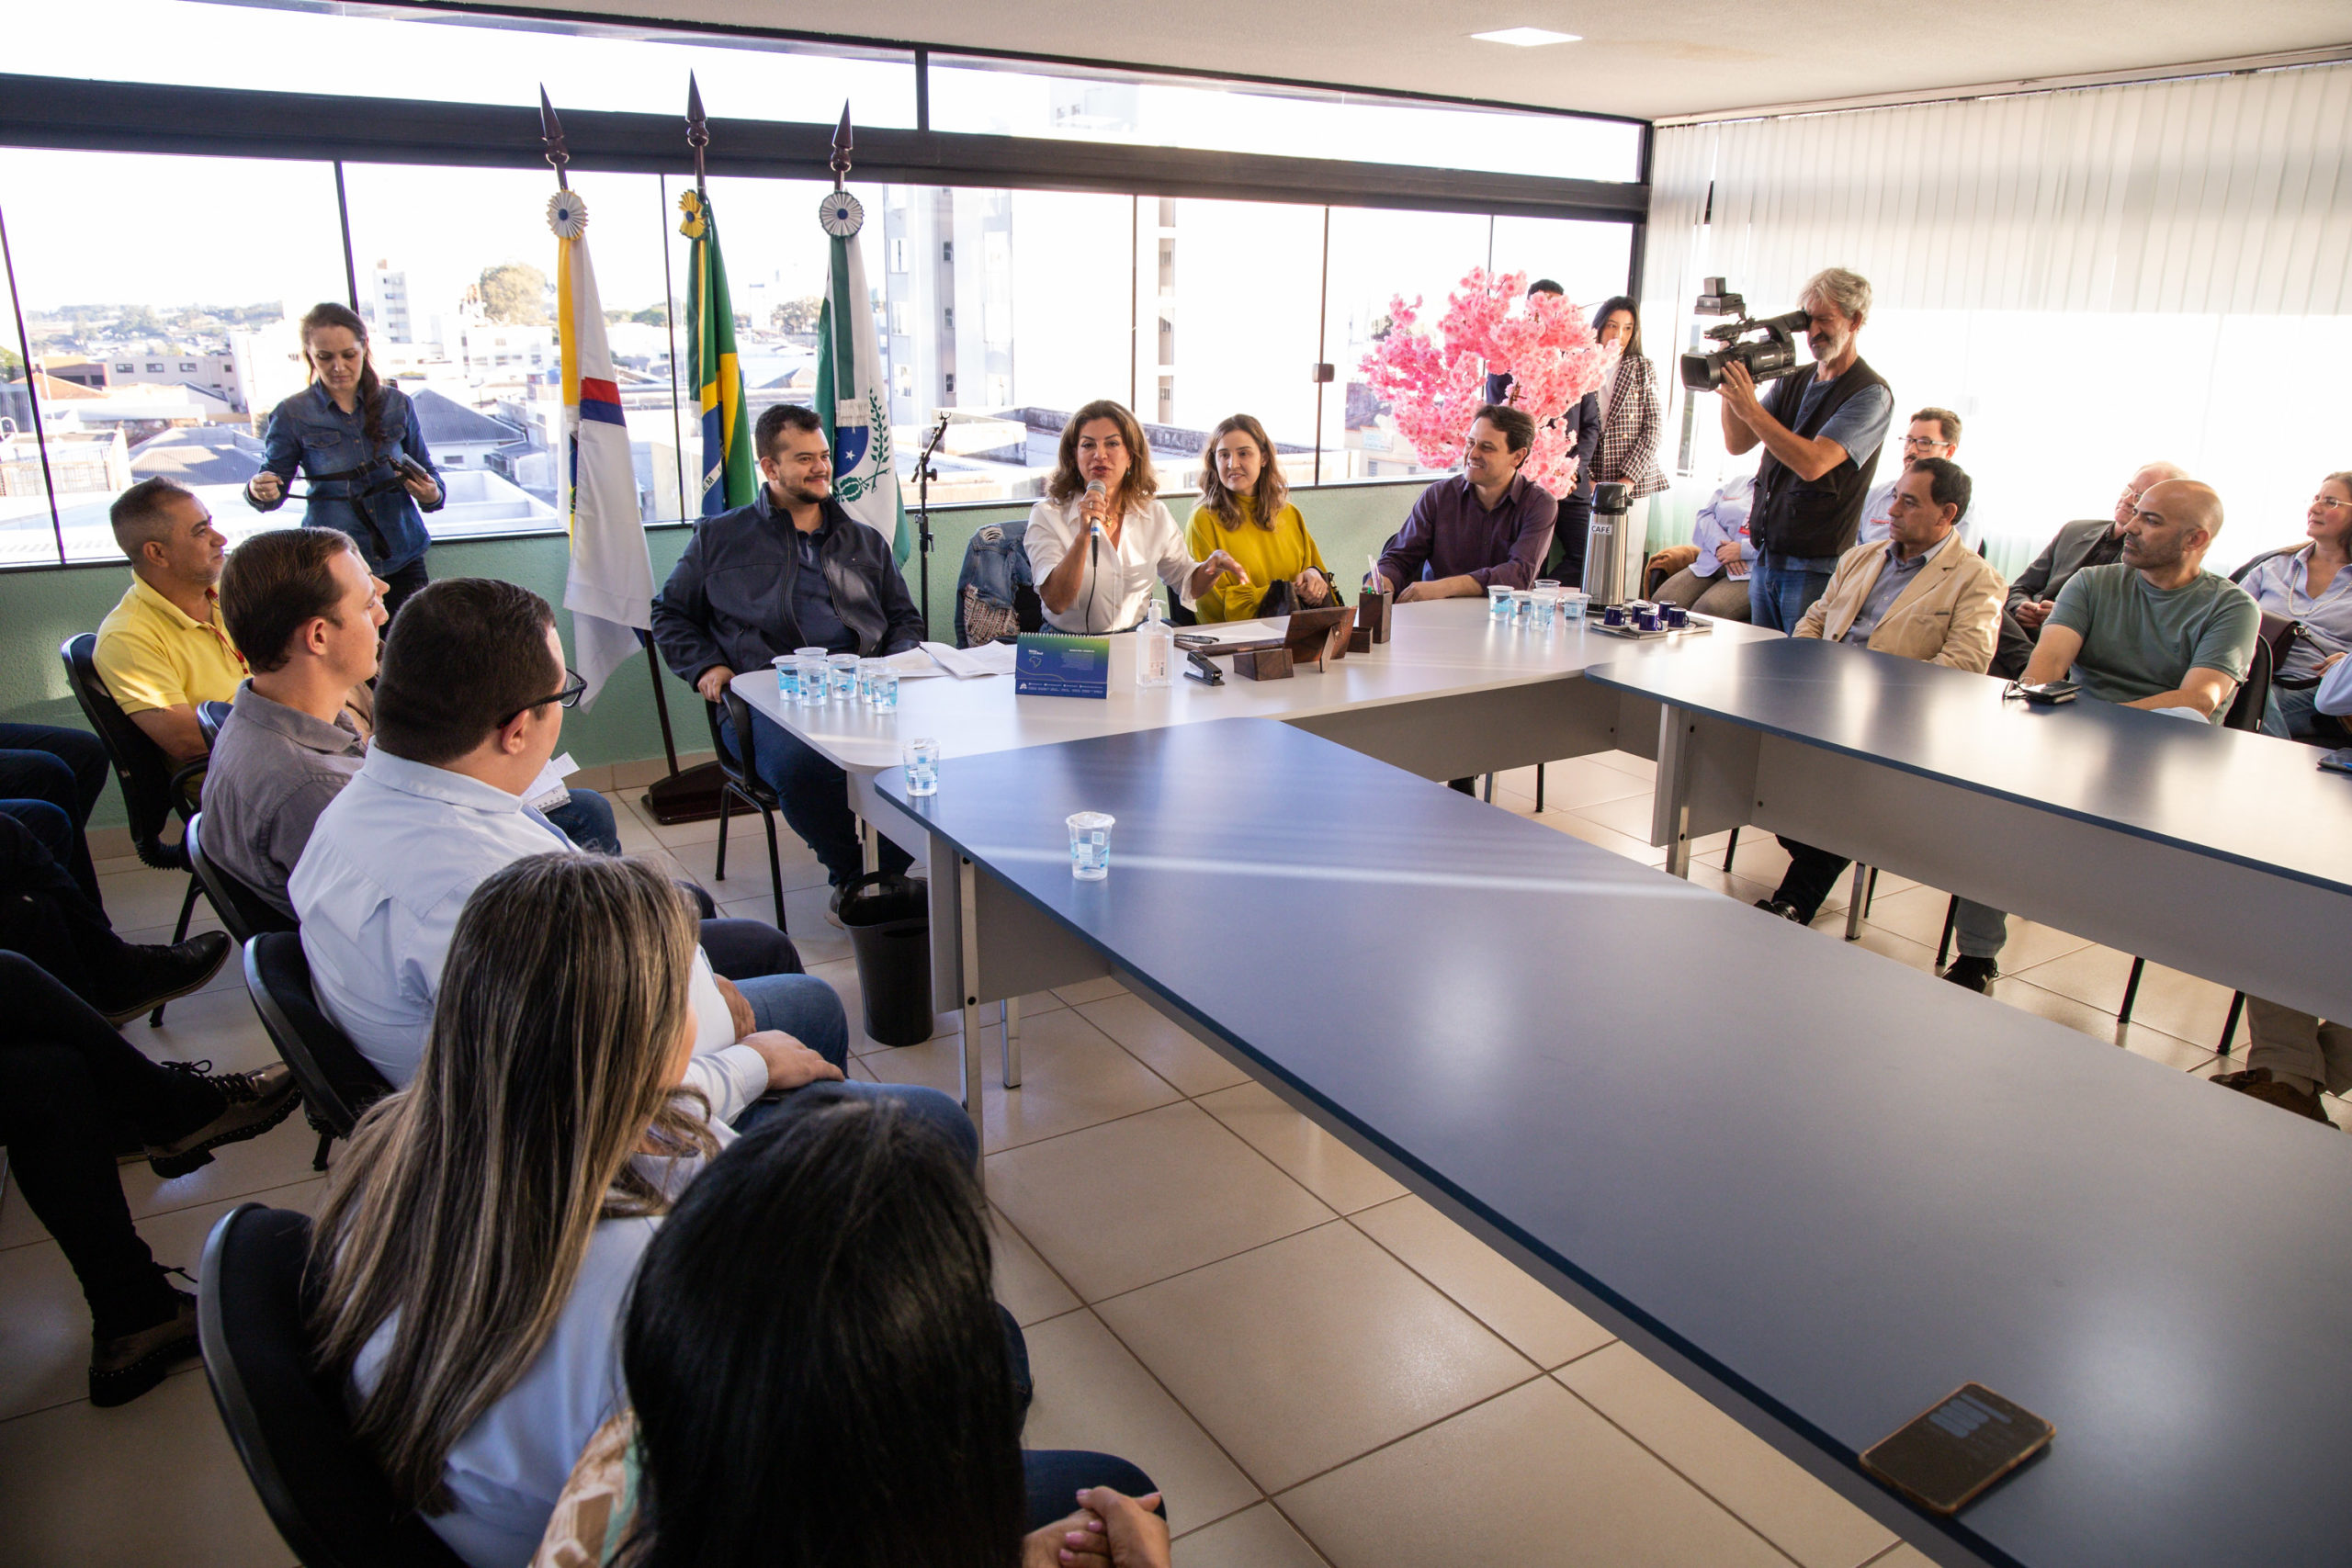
x=925 y=474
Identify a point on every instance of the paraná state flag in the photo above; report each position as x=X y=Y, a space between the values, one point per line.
x=712 y=368
x=854 y=405
x=609 y=589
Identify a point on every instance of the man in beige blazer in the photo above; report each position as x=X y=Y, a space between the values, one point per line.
x=1918 y=593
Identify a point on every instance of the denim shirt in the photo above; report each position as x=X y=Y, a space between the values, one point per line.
x=996 y=563
x=309 y=433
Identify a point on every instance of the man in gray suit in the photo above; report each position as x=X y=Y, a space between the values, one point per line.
x=2092 y=542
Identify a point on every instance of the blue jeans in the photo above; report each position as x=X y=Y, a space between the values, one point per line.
x=938 y=1112
x=815 y=797
x=587 y=821
x=66 y=768
x=1782 y=588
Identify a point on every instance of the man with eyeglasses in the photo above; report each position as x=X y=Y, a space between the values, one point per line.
x=469 y=708
x=2094 y=541
x=1935 y=432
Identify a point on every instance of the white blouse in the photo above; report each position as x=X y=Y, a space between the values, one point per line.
x=1117 y=583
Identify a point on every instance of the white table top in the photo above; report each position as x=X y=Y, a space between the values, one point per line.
x=1440 y=647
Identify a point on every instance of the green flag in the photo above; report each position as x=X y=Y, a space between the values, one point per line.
x=712 y=368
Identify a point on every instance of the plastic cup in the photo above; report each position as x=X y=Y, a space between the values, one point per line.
x=1499 y=605
x=787 y=677
x=840 y=681
x=1522 y=606
x=865 y=668
x=885 y=689
x=1572 y=605
x=1090 y=845
x=923 y=767
x=812 y=675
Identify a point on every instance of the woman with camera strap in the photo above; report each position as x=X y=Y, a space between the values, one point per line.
x=357 y=443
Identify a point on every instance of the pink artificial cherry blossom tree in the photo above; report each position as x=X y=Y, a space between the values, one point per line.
x=1434 y=387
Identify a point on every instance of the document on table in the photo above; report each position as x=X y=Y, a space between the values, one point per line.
x=913 y=664
x=1225 y=632
x=965 y=663
x=549 y=791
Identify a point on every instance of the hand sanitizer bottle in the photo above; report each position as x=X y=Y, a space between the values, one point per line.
x=1154 y=648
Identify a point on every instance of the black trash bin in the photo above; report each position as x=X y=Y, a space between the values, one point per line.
x=888 y=916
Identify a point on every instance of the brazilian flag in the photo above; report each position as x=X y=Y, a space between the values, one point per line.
x=712 y=366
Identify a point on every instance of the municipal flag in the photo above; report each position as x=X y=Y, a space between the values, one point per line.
x=854 y=404
x=609 y=589
x=712 y=366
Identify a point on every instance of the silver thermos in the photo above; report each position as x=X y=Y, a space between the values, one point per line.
x=1604 y=562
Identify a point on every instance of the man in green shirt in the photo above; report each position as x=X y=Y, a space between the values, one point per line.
x=2155 y=630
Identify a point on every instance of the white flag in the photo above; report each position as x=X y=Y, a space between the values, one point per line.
x=853 y=404
x=610 y=588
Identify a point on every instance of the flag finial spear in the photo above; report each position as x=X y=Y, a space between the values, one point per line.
x=842 y=143
x=551 y=132
x=697 y=126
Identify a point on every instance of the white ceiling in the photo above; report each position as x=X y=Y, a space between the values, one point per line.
x=1650 y=58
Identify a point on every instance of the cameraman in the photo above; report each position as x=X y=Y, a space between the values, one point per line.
x=1821 y=434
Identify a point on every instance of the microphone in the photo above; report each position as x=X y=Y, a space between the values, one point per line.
x=1092 y=490
x=1093 y=555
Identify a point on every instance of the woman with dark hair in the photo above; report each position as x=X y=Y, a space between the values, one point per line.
x=1630 y=421
x=819 y=1375
x=1101 y=535
x=1245 y=510
x=359 y=445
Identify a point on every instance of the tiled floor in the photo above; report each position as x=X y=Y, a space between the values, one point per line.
x=1318 y=1367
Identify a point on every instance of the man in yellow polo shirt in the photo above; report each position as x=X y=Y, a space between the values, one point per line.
x=162 y=649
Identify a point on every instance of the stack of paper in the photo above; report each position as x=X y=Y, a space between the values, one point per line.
x=965 y=663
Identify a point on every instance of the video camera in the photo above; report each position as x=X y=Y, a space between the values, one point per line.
x=1767 y=358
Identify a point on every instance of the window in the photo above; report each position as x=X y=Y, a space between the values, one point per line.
x=151 y=365
x=188 y=365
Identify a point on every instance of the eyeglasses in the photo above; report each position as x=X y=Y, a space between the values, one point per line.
x=2329 y=503
x=575 y=686
x=1922 y=441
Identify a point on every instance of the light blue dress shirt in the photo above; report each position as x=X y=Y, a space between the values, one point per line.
x=379 y=887
x=1722 y=520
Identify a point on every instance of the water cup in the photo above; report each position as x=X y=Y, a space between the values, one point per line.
x=1090 y=845
x=1498 y=601
x=865 y=668
x=885 y=689
x=1522 y=606
x=841 y=680
x=923 y=767
x=811 y=661
x=1572 y=605
x=787 y=678
x=1547 y=607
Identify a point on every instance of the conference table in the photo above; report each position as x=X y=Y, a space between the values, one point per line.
x=2219 y=852
x=1824 y=1196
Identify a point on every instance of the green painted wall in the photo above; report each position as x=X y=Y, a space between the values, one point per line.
x=41 y=609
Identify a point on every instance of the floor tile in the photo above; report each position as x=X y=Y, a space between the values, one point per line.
x=1532 y=1477
x=1887 y=944
x=1073 y=1076
x=1903 y=1555
x=1642 y=768
x=1629 y=815
x=45 y=1329
x=137 y=900
x=1579 y=827
x=153 y=1481
x=1120 y=1205
x=1737 y=1469
x=1255 y=1537
x=1575 y=781
x=747 y=869
x=1309 y=1352
x=1029 y=1289
x=1093 y=1394
x=1101 y=987
x=221 y=1027
x=2181 y=1005
x=1313 y=1157
x=1496 y=1291
x=1162 y=1044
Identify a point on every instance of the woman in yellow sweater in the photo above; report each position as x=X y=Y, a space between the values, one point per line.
x=1245 y=510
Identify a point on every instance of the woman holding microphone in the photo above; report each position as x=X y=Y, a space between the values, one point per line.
x=359 y=445
x=1101 y=535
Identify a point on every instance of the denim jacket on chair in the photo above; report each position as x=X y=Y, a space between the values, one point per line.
x=996 y=564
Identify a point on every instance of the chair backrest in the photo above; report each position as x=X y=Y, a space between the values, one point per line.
x=152 y=792
x=2254 y=692
x=2242 y=572
x=209 y=717
x=336 y=1081
x=326 y=1497
x=245 y=912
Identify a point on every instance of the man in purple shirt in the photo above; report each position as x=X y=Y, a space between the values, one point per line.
x=1489 y=524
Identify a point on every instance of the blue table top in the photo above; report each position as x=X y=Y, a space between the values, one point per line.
x=2250 y=798
x=1840 y=1187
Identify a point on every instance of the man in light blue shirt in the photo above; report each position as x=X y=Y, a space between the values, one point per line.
x=1935 y=432
x=469 y=709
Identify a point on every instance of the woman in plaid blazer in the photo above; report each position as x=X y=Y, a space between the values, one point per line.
x=1630 y=424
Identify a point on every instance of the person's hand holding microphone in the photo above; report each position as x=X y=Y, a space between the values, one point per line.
x=1101 y=520
x=265 y=488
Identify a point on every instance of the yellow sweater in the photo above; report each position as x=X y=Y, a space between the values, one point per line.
x=1269 y=555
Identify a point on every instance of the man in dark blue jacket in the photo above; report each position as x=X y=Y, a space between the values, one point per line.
x=792 y=569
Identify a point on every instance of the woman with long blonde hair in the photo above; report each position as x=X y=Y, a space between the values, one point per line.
x=1103 y=536
x=1245 y=510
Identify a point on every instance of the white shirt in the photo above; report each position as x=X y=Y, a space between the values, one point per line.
x=1111 y=599
x=509 y=1468
x=2334 y=695
x=378 y=890
x=1877 y=523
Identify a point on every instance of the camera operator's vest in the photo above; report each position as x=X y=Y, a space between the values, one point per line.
x=1813 y=519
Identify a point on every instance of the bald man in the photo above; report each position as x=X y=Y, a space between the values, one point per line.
x=2094 y=541
x=2155 y=630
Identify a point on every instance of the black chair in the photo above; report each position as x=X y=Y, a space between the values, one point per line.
x=153 y=791
x=245 y=912
x=743 y=784
x=325 y=1496
x=336 y=1081
x=209 y=717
